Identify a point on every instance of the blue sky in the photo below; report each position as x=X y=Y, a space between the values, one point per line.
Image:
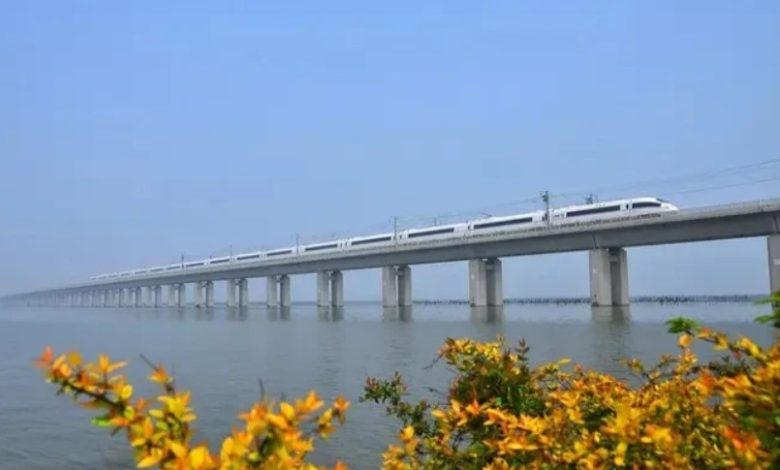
x=131 y=133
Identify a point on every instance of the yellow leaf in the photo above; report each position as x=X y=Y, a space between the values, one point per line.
x=685 y=341
x=198 y=456
x=287 y=411
x=127 y=392
x=74 y=358
x=620 y=454
x=115 y=366
x=177 y=449
x=103 y=363
x=149 y=460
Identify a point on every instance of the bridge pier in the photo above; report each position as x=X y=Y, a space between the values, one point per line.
x=243 y=292
x=396 y=286
x=147 y=296
x=278 y=291
x=330 y=289
x=486 y=287
x=138 y=299
x=773 y=248
x=209 y=286
x=285 y=296
x=181 y=297
x=271 y=292
x=608 y=277
x=171 y=301
x=198 y=293
x=230 y=297
x=156 y=296
x=120 y=301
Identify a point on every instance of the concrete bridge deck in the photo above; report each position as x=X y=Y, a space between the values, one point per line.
x=606 y=241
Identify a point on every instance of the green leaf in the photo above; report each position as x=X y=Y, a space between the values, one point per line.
x=101 y=421
x=679 y=325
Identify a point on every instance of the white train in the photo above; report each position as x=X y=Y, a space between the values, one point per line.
x=635 y=207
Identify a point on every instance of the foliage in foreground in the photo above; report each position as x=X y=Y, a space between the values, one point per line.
x=160 y=431
x=501 y=413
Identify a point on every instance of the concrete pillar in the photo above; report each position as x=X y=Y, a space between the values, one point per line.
x=271 y=292
x=336 y=289
x=389 y=287
x=148 y=302
x=198 y=293
x=230 y=298
x=608 y=277
x=209 y=286
x=485 y=283
x=120 y=301
x=396 y=286
x=171 y=302
x=156 y=296
x=181 y=298
x=404 y=286
x=138 y=298
x=243 y=292
x=773 y=246
x=285 y=297
x=323 y=289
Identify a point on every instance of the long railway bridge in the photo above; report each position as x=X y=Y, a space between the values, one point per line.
x=606 y=241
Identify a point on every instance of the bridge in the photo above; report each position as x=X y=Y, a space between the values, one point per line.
x=605 y=240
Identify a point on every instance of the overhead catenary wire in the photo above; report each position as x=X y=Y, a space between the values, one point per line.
x=690 y=177
x=393 y=224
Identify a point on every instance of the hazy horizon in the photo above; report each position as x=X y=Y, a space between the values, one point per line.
x=132 y=134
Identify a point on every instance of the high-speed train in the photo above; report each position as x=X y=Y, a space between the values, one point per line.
x=585 y=213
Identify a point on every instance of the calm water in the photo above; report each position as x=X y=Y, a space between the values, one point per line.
x=220 y=355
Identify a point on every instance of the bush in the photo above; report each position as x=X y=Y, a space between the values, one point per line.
x=499 y=413
x=161 y=434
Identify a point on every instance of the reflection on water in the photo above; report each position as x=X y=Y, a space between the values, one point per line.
x=394 y=314
x=330 y=313
x=278 y=313
x=220 y=353
x=486 y=314
x=617 y=315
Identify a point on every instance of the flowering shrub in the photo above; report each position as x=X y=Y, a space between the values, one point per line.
x=161 y=433
x=501 y=413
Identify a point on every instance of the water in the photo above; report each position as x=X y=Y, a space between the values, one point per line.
x=220 y=355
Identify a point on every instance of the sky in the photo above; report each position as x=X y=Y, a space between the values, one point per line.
x=132 y=133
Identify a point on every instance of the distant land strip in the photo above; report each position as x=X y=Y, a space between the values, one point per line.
x=640 y=299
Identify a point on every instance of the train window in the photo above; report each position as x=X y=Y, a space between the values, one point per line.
x=594 y=210
x=320 y=247
x=277 y=253
x=641 y=205
x=372 y=240
x=192 y=265
x=246 y=257
x=220 y=261
x=171 y=268
x=501 y=223
x=431 y=232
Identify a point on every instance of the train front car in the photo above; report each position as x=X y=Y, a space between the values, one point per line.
x=650 y=205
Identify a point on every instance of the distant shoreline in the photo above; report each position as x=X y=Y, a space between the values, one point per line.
x=640 y=299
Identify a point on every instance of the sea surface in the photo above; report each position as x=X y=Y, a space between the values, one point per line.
x=221 y=355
